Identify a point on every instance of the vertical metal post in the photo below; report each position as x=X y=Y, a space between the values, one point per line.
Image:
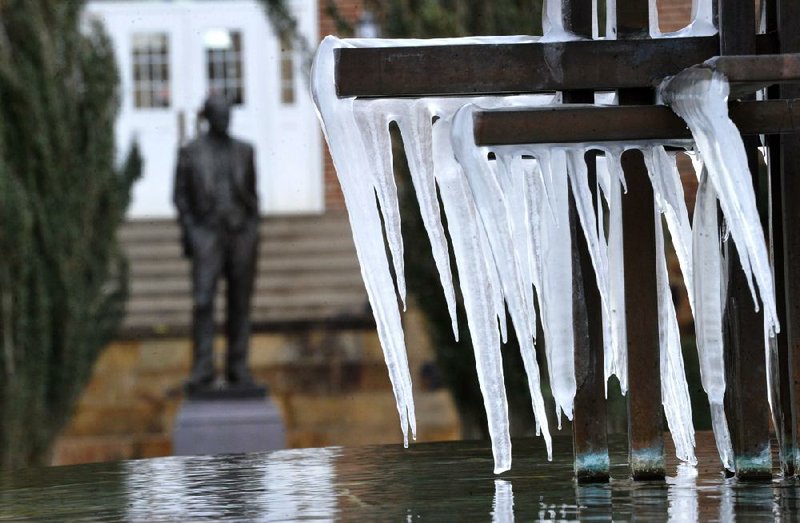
x=645 y=420
x=589 y=439
x=782 y=408
x=788 y=20
x=746 y=401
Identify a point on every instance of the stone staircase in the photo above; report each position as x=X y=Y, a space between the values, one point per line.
x=308 y=276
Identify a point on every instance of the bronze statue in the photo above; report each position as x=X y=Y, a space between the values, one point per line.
x=215 y=193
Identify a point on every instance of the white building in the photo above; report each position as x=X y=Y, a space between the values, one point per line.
x=171 y=54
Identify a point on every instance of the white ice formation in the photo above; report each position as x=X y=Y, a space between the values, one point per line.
x=508 y=220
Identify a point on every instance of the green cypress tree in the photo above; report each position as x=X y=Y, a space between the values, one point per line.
x=62 y=274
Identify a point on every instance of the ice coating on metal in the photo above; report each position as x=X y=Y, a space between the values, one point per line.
x=700 y=96
x=709 y=305
x=351 y=162
x=674 y=389
x=508 y=222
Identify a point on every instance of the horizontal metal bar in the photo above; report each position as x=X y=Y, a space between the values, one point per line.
x=590 y=123
x=515 y=68
x=758 y=68
x=750 y=73
x=449 y=70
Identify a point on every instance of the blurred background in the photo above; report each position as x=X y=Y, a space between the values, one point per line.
x=95 y=305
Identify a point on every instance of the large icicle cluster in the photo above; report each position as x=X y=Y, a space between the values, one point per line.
x=508 y=219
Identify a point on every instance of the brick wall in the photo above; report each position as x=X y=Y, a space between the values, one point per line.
x=350 y=10
x=331 y=387
x=674 y=14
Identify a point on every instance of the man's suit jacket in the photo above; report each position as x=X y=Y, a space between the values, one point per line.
x=195 y=185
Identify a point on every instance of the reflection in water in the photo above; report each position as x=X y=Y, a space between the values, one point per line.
x=503 y=504
x=726 y=512
x=297 y=489
x=150 y=484
x=682 y=494
x=427 y=482
x=594 y=502
x=290 y=485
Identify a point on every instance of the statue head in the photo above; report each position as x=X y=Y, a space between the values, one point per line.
x=217 y=112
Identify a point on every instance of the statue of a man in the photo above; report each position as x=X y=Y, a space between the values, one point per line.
x=215 y=193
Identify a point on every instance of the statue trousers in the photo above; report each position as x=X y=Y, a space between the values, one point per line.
x=218 y=252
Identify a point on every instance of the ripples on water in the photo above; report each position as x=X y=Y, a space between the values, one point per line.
x=433 y=482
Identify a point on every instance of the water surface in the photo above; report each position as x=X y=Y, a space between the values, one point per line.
x=427 y=482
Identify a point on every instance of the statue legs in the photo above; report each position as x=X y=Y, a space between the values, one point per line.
x=240 y=271
x=232 y=254
x=207 y=258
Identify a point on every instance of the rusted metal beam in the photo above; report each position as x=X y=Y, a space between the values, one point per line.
x=449 y=70
x=645 y=422
x=748 y=408
x=589 y=440
x=788 y=20
x=782 y=405
x=764 y=69
x=515 y=68
x=592 y=463
x=748 y=74
x=590 y=123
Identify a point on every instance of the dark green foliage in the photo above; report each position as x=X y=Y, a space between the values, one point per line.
x=447 y=18
x=284 y=24
x=62 y=275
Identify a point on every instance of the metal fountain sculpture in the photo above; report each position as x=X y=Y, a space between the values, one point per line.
x=415 y=83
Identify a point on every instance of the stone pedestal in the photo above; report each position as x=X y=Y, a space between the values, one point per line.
x=227 y=424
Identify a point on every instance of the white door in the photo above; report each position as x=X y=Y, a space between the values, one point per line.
x=173 y=54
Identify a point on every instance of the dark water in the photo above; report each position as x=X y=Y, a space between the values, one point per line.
x=430 y=482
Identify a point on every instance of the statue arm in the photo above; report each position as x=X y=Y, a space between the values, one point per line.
x=251 y=179
x=181 y=199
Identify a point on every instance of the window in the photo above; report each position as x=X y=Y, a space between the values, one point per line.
x=287 y=70
x=224 y=64
x=151 y=70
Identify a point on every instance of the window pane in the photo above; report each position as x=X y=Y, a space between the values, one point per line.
x=224 y=72
x=287 y=70
x=150 y=53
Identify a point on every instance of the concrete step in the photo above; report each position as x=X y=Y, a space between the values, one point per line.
x=184 y=302
x=144 y=251
x=307 y=272
x=346 y=262
x=280 y=227
x=266 y=283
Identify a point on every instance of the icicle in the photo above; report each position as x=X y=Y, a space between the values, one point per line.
x=350 y=160
x=616 y=271
x=492 y=208
x=674 y=390
x=552 y=20
x=464 y=226
x=700 y=95
x=602 y=190
x=514 y=179
x=709 y=299
x=497 y=288
x=555 y=248
x=668 y=192
x=611 y=19
x=415 y=128
x=374 y=127
x=703 y=18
